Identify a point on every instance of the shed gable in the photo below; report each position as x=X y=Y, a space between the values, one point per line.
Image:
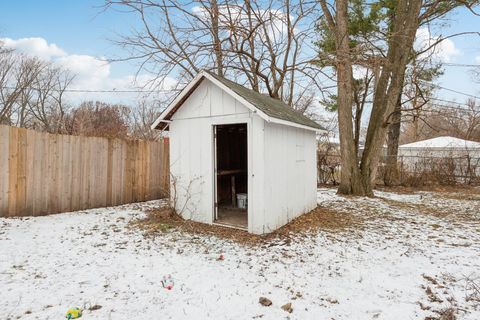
x=269 y=109
x=208 y=100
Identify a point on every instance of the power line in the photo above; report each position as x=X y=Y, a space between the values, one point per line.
x=449 y=101
x=93 y=90
x=443 y=107
x=427 y=100
x=461 y=65
x=452 y=90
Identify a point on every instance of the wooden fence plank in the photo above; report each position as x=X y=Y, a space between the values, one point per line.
x=93 y=171
x=12 y=172
x=22 y=172
x=44 y=184
x=4 y=168
x=128 y=172
x=37 y=173
x=166 y=166
x=74 y=172
x=29 y=173
x=109 y=172
x=86 y=173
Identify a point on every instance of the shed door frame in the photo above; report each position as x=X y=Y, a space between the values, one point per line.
x=246 y=121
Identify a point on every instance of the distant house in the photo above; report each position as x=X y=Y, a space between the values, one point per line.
x=239 y=158
x=440 y=147
x=463 y=155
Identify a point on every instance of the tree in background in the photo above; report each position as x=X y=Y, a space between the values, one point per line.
x=457 y=120
x=99 y=119
x=32 y=95
x=264 y=44
x=379 y=36
x=32 y=92
x=141 y=118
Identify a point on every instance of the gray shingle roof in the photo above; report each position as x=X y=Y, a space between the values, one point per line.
x=272 y=107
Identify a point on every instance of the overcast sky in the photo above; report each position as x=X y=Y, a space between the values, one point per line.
x=77 y=34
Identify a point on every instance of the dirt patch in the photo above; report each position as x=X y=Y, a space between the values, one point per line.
x=320 y=219
x=323 y=219
x=165 y=220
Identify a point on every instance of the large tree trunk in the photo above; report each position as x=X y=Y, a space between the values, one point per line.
x=350 y=182
x=389 y=86
x=391 y=169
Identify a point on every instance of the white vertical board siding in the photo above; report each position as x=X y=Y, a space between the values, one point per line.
x=256 y=176
x=290 y=174
x=191 y=151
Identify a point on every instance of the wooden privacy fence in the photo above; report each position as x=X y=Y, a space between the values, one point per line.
x=43 y=173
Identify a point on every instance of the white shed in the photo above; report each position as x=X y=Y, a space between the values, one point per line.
x=237 y=157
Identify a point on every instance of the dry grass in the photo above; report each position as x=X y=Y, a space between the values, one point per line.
x=473 y=289
x=320 y=219
x=165 y=220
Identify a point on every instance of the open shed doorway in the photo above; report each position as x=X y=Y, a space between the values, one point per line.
x=231 y=175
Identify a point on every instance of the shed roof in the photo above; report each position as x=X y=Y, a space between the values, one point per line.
x=442 y=143
x=272 y=110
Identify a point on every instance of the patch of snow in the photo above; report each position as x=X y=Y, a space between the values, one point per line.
x=407 y=198
x=371 y=271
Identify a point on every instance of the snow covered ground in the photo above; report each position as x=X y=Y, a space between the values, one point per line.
x=405 y=257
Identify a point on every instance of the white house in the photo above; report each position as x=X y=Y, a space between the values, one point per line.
x=237 y=157
x=440 y=147
x=464 y=154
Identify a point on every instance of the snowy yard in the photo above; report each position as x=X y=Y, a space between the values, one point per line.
x=403 y=256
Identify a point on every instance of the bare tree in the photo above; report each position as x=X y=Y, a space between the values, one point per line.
x=17 y=73
x=32 y=92
x=265 y=44
x=140 y=119
x=457 y=120
x=8 y=95
x=47 y=103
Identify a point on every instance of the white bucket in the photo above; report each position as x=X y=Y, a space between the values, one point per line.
x=242 y=200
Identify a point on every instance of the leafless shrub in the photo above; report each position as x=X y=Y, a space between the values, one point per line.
x=439 y=167
x=413 y=171
x=328 y=163
x=450 y=170
x=181 y=196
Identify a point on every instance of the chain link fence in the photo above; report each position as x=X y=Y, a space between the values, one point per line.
x=412 y=170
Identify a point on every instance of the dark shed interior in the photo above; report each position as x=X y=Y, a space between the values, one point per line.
x=232 y=178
